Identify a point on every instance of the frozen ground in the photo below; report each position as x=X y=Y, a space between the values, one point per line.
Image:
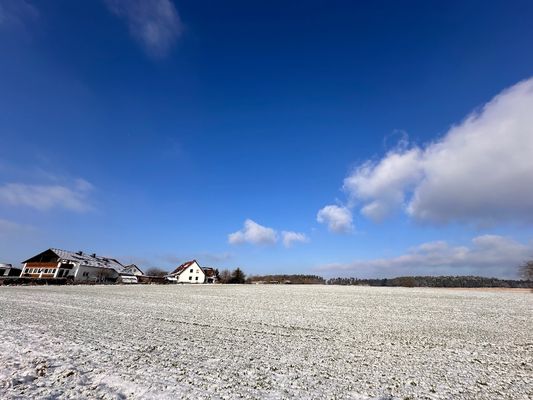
x=208 y=342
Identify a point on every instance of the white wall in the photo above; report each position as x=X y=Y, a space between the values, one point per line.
x=193 y=274
x=86 y=273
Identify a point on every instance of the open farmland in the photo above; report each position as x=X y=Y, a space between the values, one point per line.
x=252 y=341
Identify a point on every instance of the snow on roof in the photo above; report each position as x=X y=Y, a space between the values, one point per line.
x=131 y=269
x=89 y=260
x=2 y=265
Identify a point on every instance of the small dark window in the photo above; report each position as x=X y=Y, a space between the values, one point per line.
x=190 y=278
x=191 y=270
x=196 y=278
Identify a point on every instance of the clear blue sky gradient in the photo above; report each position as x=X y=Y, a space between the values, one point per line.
x=258 y=110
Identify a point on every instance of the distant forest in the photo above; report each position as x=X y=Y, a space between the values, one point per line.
x=287 y=279
x=405 y=281
x=436 y=281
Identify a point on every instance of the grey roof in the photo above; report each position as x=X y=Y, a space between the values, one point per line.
x=89 y=260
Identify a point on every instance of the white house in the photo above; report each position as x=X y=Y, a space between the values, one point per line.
x=133 y=270
x=130 y=274
x=78 y=267
x=189 y=272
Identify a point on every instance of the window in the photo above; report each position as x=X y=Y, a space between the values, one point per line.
x=190 y=278
x=191 y=270
x=196 y=278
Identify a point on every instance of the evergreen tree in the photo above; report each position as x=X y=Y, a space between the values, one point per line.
x=237 y=276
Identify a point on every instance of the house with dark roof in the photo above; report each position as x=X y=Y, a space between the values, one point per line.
x=210 y=274
x=74 y=266
x=188 y=272
x=7 y=270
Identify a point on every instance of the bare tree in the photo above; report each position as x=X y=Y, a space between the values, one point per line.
x=526 y=270
x=154 y=271
x=225 y=276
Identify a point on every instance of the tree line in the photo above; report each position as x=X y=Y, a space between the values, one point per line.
x=436 y=281
x=296 y=279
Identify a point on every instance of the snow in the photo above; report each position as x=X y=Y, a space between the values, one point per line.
x=262 y=341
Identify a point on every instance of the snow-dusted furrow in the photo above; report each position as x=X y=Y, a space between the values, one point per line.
x=275 y=342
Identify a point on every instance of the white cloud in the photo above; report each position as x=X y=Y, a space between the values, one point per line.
x=383 y=185
x=478 y=172
x=155 y=24
x=289 y=238
x=45 y=197
x=338 y=219
x=487 y=255
x=253 y=233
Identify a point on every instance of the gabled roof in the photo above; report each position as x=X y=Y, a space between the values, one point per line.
x=132 y=269
x=183 y=267
x=89 y=260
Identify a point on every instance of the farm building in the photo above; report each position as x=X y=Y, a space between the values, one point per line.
x=188 y=272
x=9 y=270
x=78 y=267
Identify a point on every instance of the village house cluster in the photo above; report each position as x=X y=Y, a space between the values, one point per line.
x=61 y=266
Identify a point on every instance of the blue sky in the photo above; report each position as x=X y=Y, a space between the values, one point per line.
x=339 y=138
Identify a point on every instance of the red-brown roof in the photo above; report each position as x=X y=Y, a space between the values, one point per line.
x=182 y=267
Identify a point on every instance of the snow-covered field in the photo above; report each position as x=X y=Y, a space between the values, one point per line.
x=252 y=341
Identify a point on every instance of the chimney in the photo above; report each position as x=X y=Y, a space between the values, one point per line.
x=80 y=253
x=93 y=255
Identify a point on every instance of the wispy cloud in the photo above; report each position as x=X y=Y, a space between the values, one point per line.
x=479 y=172
x=16 y=14
x=44 y=197
x=289 y=238
x=338 y=218
x=253 y=233
x=486 y=255
x=155 y=24
x=10 y=228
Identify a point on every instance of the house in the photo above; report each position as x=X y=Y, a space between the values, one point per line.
x=210 y=275
x=9 y=270
x=188 y=272
x=75 y=266
x=133 y=270
x=130 y=274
